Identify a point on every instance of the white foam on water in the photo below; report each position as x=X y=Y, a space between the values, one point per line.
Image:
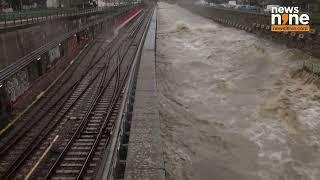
x=215 y=83
x=310 y=117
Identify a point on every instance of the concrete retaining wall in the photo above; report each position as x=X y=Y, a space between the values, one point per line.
x=20 y=89
x=16 y=44
x=260 y=25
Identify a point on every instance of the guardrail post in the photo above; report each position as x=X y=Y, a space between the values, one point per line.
x=5 y=20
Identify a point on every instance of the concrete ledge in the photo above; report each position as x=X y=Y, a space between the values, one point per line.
x=151 y=174
x=145 y=154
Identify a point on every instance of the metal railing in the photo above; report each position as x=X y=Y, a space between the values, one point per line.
x=242 y=10
x=13 y=19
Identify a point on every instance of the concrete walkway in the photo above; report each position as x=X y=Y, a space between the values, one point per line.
x=145 y=159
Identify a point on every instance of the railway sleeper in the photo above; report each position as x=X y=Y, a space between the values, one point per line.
x=71 y=165
x=80 y=148
x=76 y=153
x=71 y=172
x=97 y=123
x=92 y=129
x=75 y=159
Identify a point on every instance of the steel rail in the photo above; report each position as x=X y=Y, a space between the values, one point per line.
x=16 y=138
x=118 y=93
x=35 y=143
x=50 y=96
x=85 y=120
x=108 y=159
x=107 y=116
x=109 y=48
x=20 y=160
x=93 y=103
x=26 y=60
x=48 y=92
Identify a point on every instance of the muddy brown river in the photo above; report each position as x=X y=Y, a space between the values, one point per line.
x=229 y=108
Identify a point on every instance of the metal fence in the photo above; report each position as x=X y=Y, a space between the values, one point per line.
x=21 y=18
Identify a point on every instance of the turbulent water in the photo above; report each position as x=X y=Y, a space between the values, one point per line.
x=229 y=107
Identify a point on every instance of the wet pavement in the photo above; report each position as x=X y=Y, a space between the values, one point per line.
x=228 y=105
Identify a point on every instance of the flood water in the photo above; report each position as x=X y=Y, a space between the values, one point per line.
x=229 y=107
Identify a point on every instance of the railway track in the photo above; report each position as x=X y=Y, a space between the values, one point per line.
x=94 y=53
x=79 y=123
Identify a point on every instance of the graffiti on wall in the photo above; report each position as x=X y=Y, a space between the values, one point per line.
x=17 y=85
x=54 y=54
